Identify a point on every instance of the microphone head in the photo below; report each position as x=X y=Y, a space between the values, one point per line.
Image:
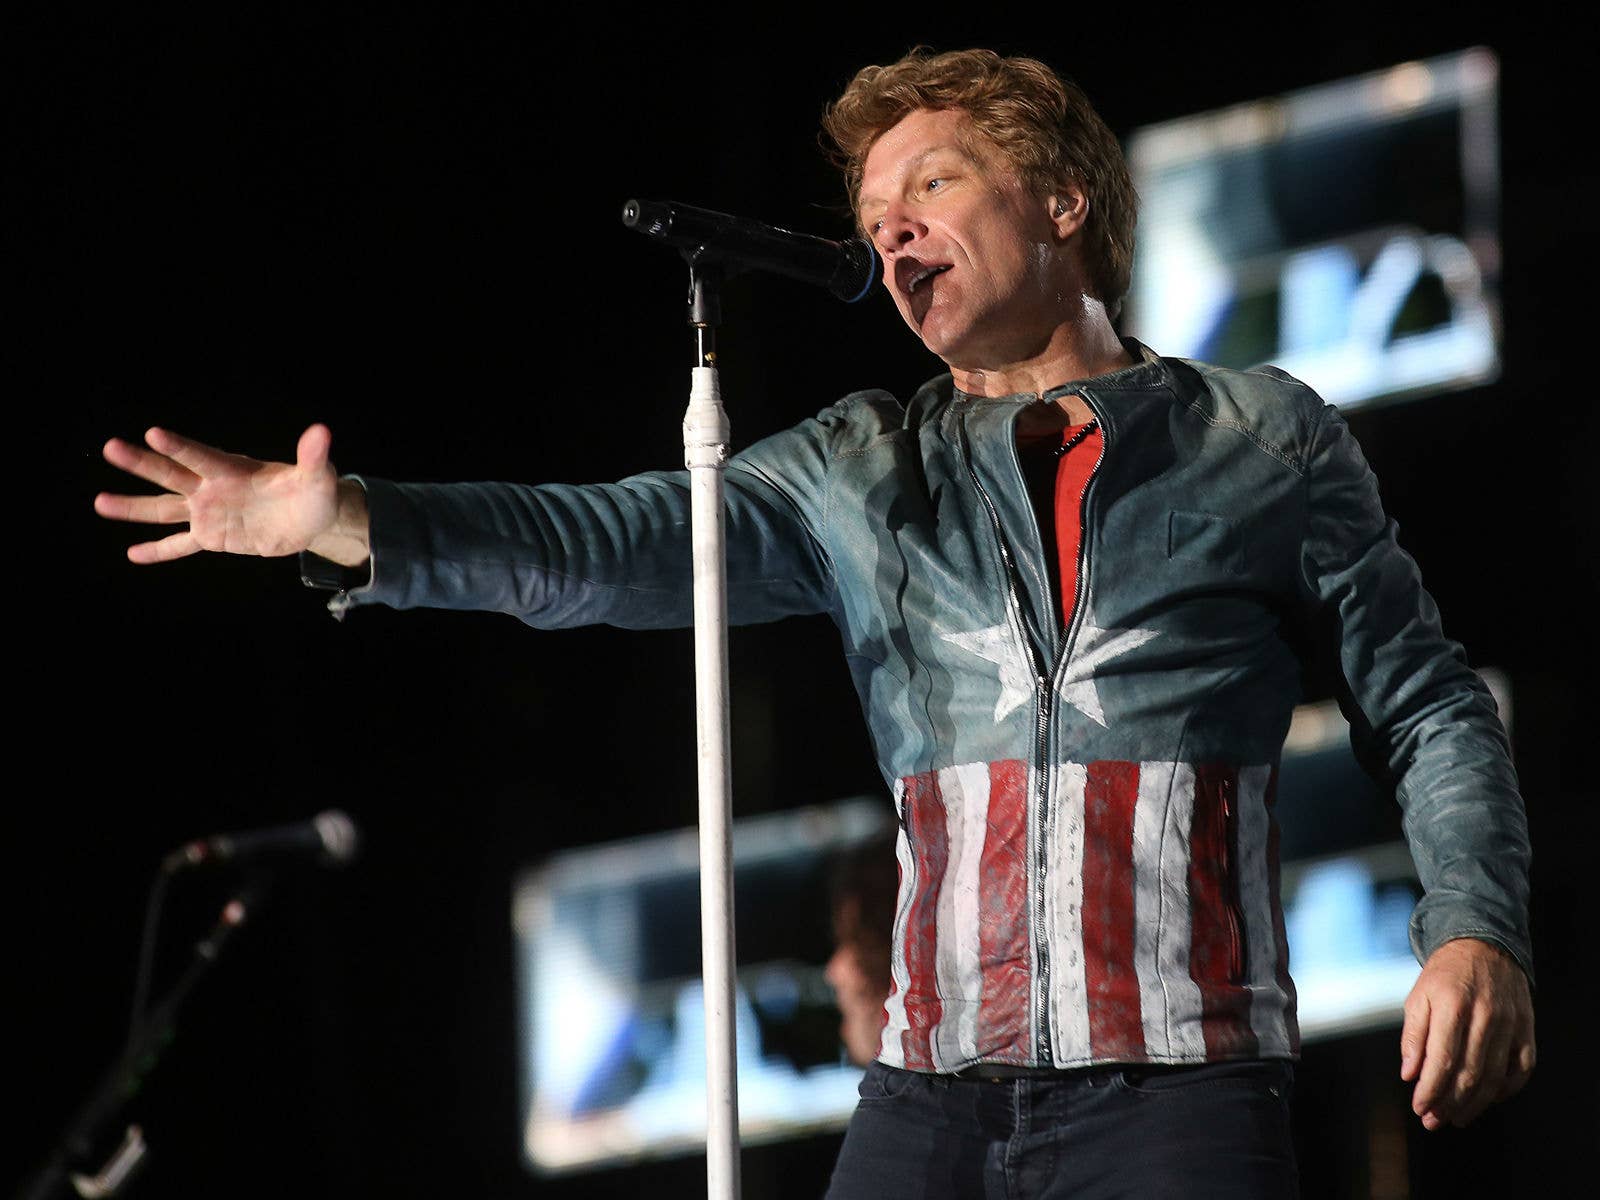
x=649 y=217
x=340 y=837
x=859 y=270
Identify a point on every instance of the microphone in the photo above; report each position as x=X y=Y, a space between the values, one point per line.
x=331 y=838
x=848 y=269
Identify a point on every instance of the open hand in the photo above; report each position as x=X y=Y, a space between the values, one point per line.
x=229 y=502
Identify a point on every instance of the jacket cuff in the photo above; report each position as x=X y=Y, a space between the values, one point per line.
x=351 y=585
x=1432 y=925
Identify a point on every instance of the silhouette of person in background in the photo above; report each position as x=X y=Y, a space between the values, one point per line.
x=865 y=883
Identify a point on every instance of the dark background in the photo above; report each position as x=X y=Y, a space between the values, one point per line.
x=405 y=223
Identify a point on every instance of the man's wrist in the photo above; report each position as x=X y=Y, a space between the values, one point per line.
x=347 y=541
x=341 y=559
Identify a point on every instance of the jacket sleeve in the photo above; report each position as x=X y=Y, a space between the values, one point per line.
x=561 y=555
x=1417 y=708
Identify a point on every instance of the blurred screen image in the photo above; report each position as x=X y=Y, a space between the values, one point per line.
x=1347 y=233
x=614 y=1033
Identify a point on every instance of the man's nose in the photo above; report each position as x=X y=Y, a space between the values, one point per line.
x=898 y=229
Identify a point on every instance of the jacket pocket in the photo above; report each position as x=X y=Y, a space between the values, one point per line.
x=1205 y=537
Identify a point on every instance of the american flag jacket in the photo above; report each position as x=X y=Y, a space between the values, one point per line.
x=1087 y=848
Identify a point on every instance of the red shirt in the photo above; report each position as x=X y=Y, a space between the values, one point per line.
x=1057 y=467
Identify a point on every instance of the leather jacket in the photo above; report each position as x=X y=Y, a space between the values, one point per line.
x=1088 y=853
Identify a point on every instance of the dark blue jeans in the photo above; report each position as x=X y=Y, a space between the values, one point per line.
x=1219 y=1130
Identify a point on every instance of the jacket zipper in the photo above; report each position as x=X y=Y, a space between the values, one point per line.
x=1079 y=605
x=1043 y=683
x=1041 y=953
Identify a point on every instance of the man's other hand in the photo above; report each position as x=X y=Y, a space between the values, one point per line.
x=1468 y=1034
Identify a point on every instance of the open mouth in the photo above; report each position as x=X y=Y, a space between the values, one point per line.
x=915 y=275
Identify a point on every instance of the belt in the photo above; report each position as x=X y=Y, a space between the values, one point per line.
x=1000 y=1072
x=1003 y=1072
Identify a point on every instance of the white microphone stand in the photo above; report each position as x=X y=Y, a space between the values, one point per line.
x=848 y=270
x=705 y=451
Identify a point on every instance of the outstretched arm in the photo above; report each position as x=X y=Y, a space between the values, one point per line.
x=239 y=505
x=1468 y=1034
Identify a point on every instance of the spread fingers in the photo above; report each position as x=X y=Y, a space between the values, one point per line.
x=179 y=545
x=151 y=467
x=166 y=509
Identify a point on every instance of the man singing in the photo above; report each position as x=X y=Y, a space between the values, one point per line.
x=1071 y=578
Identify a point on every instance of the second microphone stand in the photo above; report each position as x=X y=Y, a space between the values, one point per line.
x=69 y=1170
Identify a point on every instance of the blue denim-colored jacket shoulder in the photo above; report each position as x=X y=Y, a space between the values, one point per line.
x=1274 y=410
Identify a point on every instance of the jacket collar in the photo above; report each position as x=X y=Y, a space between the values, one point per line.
x=1148 y=370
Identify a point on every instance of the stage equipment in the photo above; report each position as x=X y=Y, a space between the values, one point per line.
x=848 y=269
x=611 y=1005
x=1347 y=233
x=329 y=838
x=714 y=244
x=86 y=1135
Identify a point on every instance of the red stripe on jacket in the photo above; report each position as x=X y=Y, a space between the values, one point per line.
x=1004 y=951
x=1217 y=942
x=930 y=847
x=1116 y=1028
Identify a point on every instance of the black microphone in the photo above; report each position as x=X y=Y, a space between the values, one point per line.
x=847 y=269
x=331 y=838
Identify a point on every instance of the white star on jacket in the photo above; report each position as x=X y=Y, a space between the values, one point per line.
x=998 y=644
x=1095 y=647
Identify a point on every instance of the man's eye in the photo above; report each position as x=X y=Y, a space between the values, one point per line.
x=934 y=184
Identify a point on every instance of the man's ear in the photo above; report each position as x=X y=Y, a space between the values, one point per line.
x=1069 y=209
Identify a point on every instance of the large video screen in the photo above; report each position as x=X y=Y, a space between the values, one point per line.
x=612 y=1037
x=1348 y=233
x=613 y=1034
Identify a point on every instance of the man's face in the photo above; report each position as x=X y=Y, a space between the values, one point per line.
x=971 y=258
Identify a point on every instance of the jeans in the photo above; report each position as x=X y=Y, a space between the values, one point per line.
x=1216 y=1130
